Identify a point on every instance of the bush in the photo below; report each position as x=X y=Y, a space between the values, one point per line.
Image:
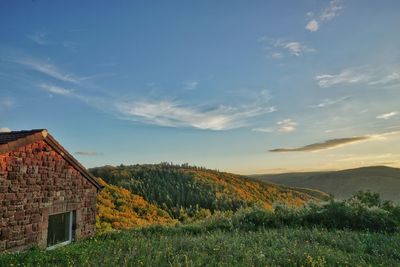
x=364 y=211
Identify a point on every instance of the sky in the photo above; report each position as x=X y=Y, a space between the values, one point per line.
x=240 y=86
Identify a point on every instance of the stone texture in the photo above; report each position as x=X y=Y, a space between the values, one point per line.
x=35 y=182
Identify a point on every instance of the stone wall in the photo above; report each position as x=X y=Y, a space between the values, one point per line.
x=35 y=181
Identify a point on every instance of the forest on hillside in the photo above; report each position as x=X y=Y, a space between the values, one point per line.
x=186 y=192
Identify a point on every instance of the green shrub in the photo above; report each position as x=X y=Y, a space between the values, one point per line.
x=358 y=213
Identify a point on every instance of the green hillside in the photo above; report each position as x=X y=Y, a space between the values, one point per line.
x=185 y=191
x=343 y=184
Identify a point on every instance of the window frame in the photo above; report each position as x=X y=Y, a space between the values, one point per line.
x=70 y=234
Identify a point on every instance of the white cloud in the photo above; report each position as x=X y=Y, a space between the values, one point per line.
x=56 y=89
x=286 y=126
x=361 y=75
x=4 y=130
x=387 y=116
x=172 y=114
x=326 y=14
x=331 y=11
x=312 y=25
x=49 y=70
x=295 y=48
x=329 y=102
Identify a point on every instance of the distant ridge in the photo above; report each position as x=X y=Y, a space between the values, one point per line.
x=343 y=184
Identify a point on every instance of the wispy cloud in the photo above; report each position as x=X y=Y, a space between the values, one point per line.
x=41 y=38
x=86 y=153
x=387 y=116
x=325 y=15
x=361 y=75
x=331 y=11
x=295 y=48
x=278 y=48
x=347 y=76
x=56 y=89
x=263 y=130
x=329 y=102
x=368 y=157
x=172 y=114
x=286 y=126
x=324 y=145
x=387 y=79
x=49 y=70
x=338 y=142
x=4 y=130
x=283 y=126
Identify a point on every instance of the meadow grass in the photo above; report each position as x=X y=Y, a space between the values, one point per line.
x=193 y=246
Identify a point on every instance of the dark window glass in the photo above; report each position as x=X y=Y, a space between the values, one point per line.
x=59 y=228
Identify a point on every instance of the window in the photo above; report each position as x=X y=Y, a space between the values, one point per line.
x=60 y=229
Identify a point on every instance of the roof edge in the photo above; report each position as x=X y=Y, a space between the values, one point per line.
x=40 y=134
x=50 y=140
x=43 y=135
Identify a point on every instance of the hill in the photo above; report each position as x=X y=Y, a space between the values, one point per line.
x=185 y=191
x=118 y=208
x=342 y=184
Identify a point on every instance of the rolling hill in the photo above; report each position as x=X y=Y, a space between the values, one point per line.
x=184 y=191
x=118 y=208
x=343 y=184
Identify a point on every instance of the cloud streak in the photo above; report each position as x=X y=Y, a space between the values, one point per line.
x=172 y=114
x=49 y=70
x=277 y=48
x=338 y=142
x=364 y=75
x=328 y=102
x=56 y=89
x=332 y=143
x=86 y=153
x=387 y=116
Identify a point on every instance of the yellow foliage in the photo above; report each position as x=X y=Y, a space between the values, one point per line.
x=118 y=208
x=251 y=190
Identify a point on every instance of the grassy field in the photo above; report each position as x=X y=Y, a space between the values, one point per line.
x=192 y=246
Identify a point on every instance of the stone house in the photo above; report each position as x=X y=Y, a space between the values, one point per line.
x=47 y=197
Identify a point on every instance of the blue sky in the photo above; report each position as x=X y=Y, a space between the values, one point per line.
x=246 y=87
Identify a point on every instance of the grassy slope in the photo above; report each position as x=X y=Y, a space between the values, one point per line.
x=343 y=184
x=181 y=247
